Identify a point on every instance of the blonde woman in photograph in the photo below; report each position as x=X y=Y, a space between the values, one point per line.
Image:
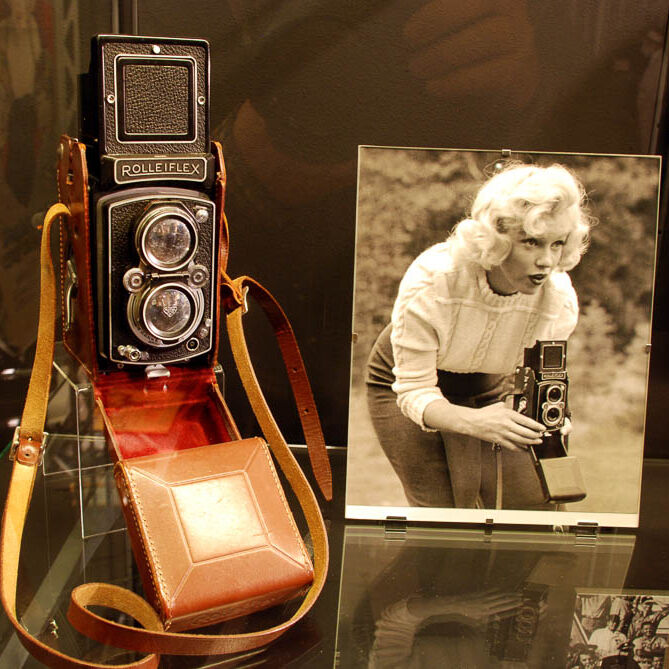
x=466 y=309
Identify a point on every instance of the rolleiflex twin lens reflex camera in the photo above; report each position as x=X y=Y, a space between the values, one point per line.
x=540 y=392
x=151 y=215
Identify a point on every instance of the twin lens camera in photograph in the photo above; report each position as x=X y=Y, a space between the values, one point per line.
x=540 y=392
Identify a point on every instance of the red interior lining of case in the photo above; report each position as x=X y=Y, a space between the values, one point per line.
x=152 y=416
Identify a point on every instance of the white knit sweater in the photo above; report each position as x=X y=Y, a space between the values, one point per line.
x=447 y=317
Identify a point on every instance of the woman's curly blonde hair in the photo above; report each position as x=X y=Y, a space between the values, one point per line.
x=534 y=199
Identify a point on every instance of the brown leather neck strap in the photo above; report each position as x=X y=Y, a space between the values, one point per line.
x=151 y=638
x=26 y=463
x=292 y=360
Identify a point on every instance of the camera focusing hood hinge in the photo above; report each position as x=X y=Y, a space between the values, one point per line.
x=28 y=450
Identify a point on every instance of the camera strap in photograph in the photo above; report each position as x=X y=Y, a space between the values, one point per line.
x=29 y=445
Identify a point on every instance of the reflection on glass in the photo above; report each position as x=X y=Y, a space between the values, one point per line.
x=465 y=629
x=454 y=599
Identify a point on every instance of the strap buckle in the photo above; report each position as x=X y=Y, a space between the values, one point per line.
x=239 y=296
x=29 y=453
x=245 y=301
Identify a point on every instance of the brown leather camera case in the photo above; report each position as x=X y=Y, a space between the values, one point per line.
x=214 y=526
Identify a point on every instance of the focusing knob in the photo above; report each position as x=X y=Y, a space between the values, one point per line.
x=132 y=353
x=133 y=280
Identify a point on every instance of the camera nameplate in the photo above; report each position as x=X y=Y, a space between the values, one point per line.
x=554 y=375
x=129 y=170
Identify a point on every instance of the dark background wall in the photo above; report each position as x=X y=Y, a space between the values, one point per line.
x=296 y=87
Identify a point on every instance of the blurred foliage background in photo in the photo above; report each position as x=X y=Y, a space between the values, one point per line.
x=409 y=199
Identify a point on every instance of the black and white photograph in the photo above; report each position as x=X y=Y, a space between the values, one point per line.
x=619 y=630
x=502 y=309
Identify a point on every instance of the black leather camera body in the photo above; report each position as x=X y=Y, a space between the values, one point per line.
x=154 y=220
x=540 y=392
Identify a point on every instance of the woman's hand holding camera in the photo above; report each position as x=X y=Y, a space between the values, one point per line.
x=496 y=423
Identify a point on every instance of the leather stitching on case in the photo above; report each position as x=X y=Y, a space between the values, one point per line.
x=131 y=507
x=307 y=561
x=61 y=246
x=75 y=350
x=89 y=269
x=160 y=586
x=87 y=259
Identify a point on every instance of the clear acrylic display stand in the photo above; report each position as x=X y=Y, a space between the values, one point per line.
x=77 y=448
x=75 y=528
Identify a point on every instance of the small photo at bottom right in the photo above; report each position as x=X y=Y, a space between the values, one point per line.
x=619 y=631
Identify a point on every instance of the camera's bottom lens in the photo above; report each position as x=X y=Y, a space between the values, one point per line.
x=553 y=415
x=165 y=314
x=168 y=312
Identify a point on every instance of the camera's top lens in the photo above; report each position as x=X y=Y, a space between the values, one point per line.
x=166 y=238
x=168 y=241
x=555 y=393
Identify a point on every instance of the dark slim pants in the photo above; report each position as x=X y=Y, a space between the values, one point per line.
x=447 y=469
